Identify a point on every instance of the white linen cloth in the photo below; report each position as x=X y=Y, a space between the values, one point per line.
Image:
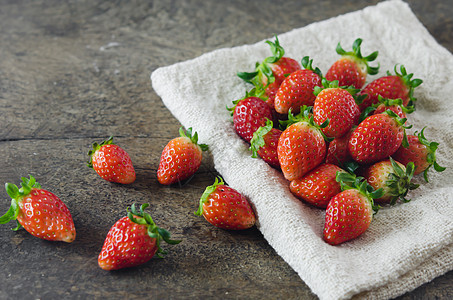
x=406 y=245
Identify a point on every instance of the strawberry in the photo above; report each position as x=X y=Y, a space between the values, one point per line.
x=301 y=146
x=249 y=114
x=352 y=68
x=132 y=241
x=421 y=152
x=377 y=137
x=111 y=162
x=395 y=105
x=401 y=85
x=393 y=177
x=40 y=212
x=270 y=73
x=337 y=105
x=338 y=150
x=226 y=208
x=350 y=212
x=180 y=158
x=318 y=186
x=297 y=89
x=264 y=143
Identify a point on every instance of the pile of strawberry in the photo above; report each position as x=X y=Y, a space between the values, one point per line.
x=341 y=144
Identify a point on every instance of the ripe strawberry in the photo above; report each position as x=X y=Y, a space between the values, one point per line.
x=352 y=68
x=180 y=158
x=377 y=137
x=301 y=146
x=270 y=73
x=111 y=162
x=338 y=150
x=395 y=105
x=40 y=212
x=226 y=208
x=421 y=152
x=393 y=177
x=264 y=143
x=318 y=186
x=401 y=85
x=249 y=114
x=337 y=105
x=350 y=212
x=132 y=241
x=297 y=89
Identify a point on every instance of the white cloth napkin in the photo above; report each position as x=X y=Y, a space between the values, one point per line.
x=406 y=245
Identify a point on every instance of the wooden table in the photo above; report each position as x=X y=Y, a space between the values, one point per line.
x=75 y=72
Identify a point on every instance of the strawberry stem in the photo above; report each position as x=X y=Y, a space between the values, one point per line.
x=257 y=140
x=208 y=191
x=356 y=54
x=96 y=147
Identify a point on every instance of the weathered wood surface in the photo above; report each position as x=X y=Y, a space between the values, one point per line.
x=74 y=72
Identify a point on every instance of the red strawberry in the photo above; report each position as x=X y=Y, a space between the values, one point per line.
x=393 y=177
x=264 y=143
x=249 y=114
x=132 y=241
x=421 y=152
x=377 y=137
x=336 y=105
x=350 y=212
x=270 y=73
x=297 y=89
x=301 y=146
x=40 y=212
x=180 y=158
x=401 y=85
x=338 y=150
x=111 y=162
x=395 y=105
x=226 y=208
x=352 y=68
x=318 y=186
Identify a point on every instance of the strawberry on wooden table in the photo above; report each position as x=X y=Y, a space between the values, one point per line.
x=264 y=144
x=249 y=114
x=297 y=89
x=377 y=137
x=39 y=211
x=111 y=162
x=337 y=105
x=401 y=85
x=421 y=152
x=318 y=186
x=133 y=240
x=270 y=73
x=180 y=158
x=350 y=212
x=302 y=145
x=226 y=208
x=393 y=177
x=352 y=68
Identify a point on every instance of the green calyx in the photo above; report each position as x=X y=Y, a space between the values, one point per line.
x=326 y=84
x=153 y=231
x=258 y=137
x=96 y=147
x=356 y=55
x=208 y=191
x=307 y=64
x=193 y=138
x=16 y=195
x=399 y=181
x=350 y=181
x=431 y=156
x=305 y=115
x=408 y=81
x=394 y=102
x=263 y=69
